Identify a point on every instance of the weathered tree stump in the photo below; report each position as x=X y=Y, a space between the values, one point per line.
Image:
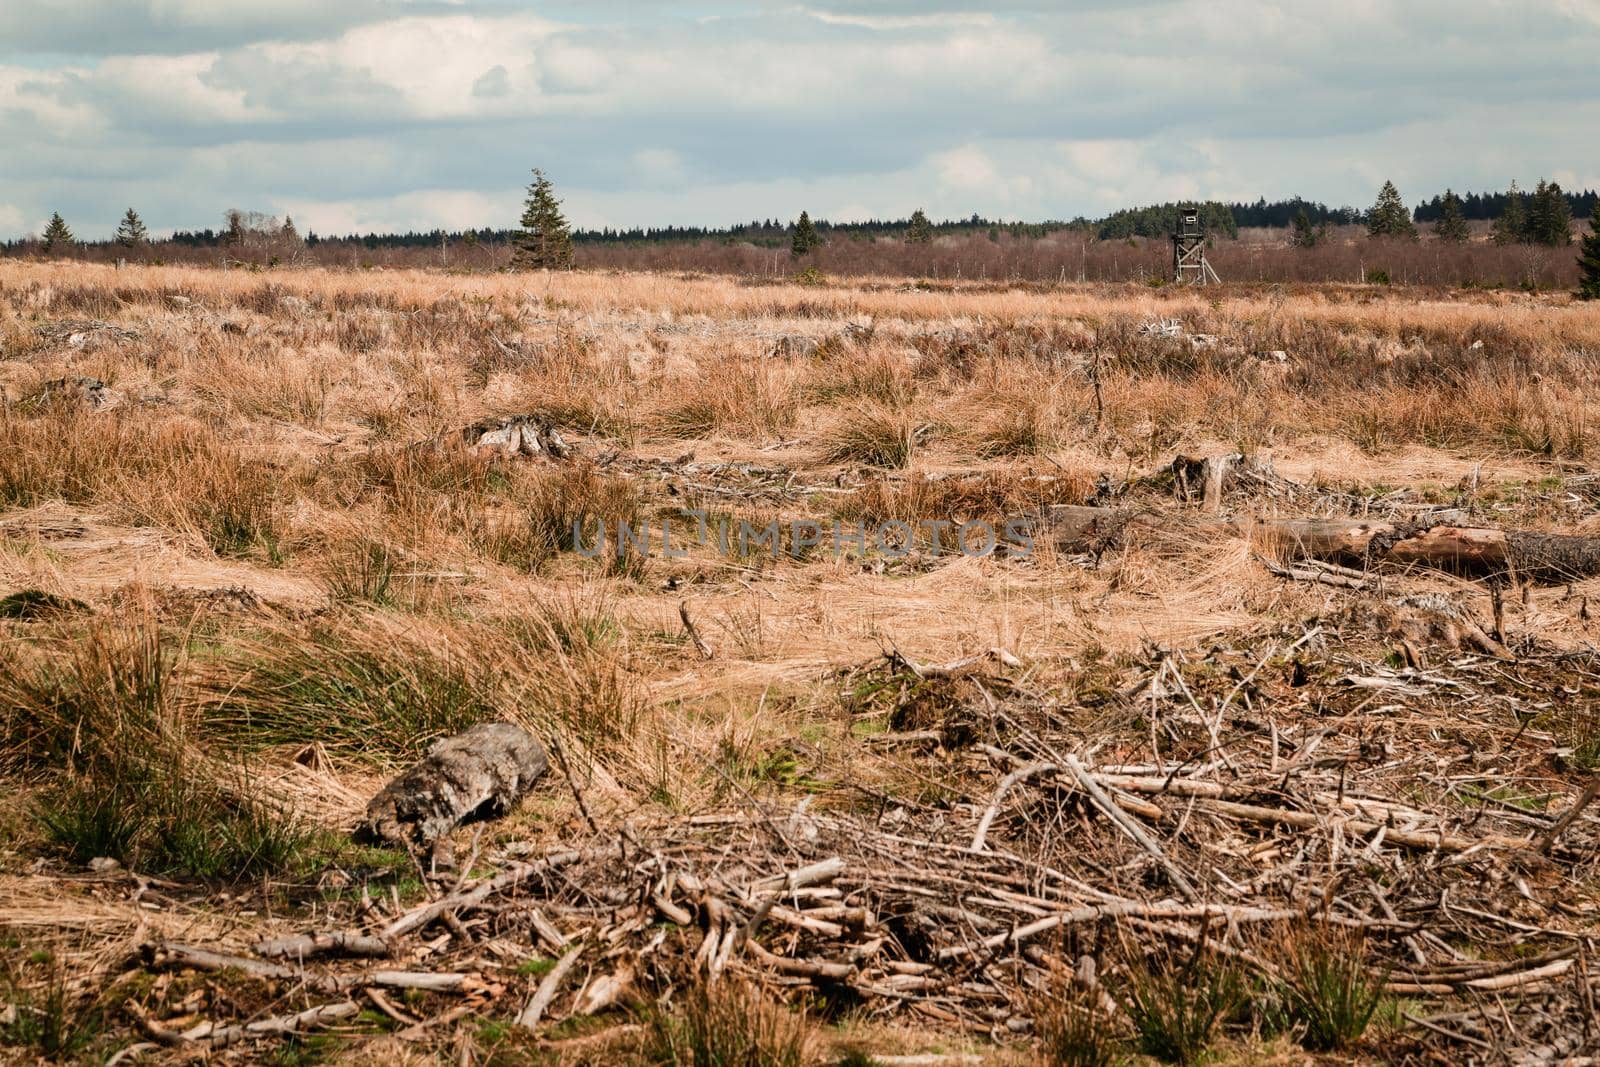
x=480 y=773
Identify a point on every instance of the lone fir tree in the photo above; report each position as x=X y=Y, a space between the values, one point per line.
x=1549 y=216
x=1512 y=225
x=920 y=231
x=1452 y=224
x=1589 y=259
x=131 y=232
x=56 y=234
x=1305 y=235
x=545 y=240
x=805 y=237
x=1389 y=217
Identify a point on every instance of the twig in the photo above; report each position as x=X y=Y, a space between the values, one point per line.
x=1128 y=826
x=694 y=634
x=535 y=1009
x=1547 y=841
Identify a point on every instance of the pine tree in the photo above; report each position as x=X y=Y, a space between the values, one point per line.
x=1589 y=259
x=545 y=240
x=1389 y=217
x=920 y=232
x=1452 y=225
x=131 y=233
x=289 y=233
x=1549 y=216
x=805 y=236
x=1512 y=225
x=1304 y=236
x=56 y=235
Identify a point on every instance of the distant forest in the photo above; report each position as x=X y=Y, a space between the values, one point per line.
x=1155 y=220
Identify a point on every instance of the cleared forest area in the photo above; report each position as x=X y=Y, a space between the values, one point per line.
x=1263 y=724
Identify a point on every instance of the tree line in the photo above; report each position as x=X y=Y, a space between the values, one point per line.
x=545 y=239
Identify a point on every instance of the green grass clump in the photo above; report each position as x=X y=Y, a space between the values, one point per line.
x=729 y=1026
x=104 y=713
x=363 y=686
x=1177 y=1006
x=1329 y=990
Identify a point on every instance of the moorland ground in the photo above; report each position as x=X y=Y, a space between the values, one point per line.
x=248 y=571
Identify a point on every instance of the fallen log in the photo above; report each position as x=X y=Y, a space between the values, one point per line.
x=477 y=774
x=1470 y=549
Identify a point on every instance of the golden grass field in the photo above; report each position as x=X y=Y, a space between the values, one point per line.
x=238 y=598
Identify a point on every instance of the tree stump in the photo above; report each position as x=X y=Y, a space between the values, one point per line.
x=480 y=773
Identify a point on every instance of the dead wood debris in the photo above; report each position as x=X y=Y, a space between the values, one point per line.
x=1236 y=820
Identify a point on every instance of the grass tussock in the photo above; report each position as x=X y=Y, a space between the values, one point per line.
x=1072 y=1029
x=1178 y=1004
x=1329 y=989
x=105 y=715
x=382 y=687
x=731 y=1025
x=874 y=435
x=730 y=395
x=554 y=511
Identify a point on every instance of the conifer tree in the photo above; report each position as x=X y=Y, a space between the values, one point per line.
x=920 y=232
x=545 y=240
x=1512 y=226
x=1304 y=236
x=1452 y=224
x=131 y=232
x=805 y=236
x=1389 y=217
x=1549 y=216
x=1589 y=259
x=288 y=232
x=56 y=235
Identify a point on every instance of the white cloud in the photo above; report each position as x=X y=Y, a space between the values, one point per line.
x=361 y=111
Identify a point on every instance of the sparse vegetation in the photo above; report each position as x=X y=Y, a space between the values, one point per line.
x=281 y=563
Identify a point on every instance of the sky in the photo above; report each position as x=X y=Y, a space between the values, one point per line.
x=375 y=115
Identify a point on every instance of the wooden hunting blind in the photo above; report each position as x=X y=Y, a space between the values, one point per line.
x=1189 y=249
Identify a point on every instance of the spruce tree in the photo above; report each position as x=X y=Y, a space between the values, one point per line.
x=1452 y=224
x=920 y=232
x=1589 y=259
x=131 y=232
x=56 y=235
x=805 y=237
x=1512 y=226
x=1389 y=217
x=1304 y=236
x=289 y=233
x=1549 y=216
x=545 y=240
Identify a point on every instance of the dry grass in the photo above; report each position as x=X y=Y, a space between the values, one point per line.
x=397 y=593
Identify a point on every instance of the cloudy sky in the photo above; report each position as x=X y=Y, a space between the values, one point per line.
x=411 y=114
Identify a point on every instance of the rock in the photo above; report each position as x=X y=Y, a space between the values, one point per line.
x=103 y=864
x=477 y=774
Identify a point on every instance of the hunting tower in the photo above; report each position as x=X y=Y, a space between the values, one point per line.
x=1189 y=249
